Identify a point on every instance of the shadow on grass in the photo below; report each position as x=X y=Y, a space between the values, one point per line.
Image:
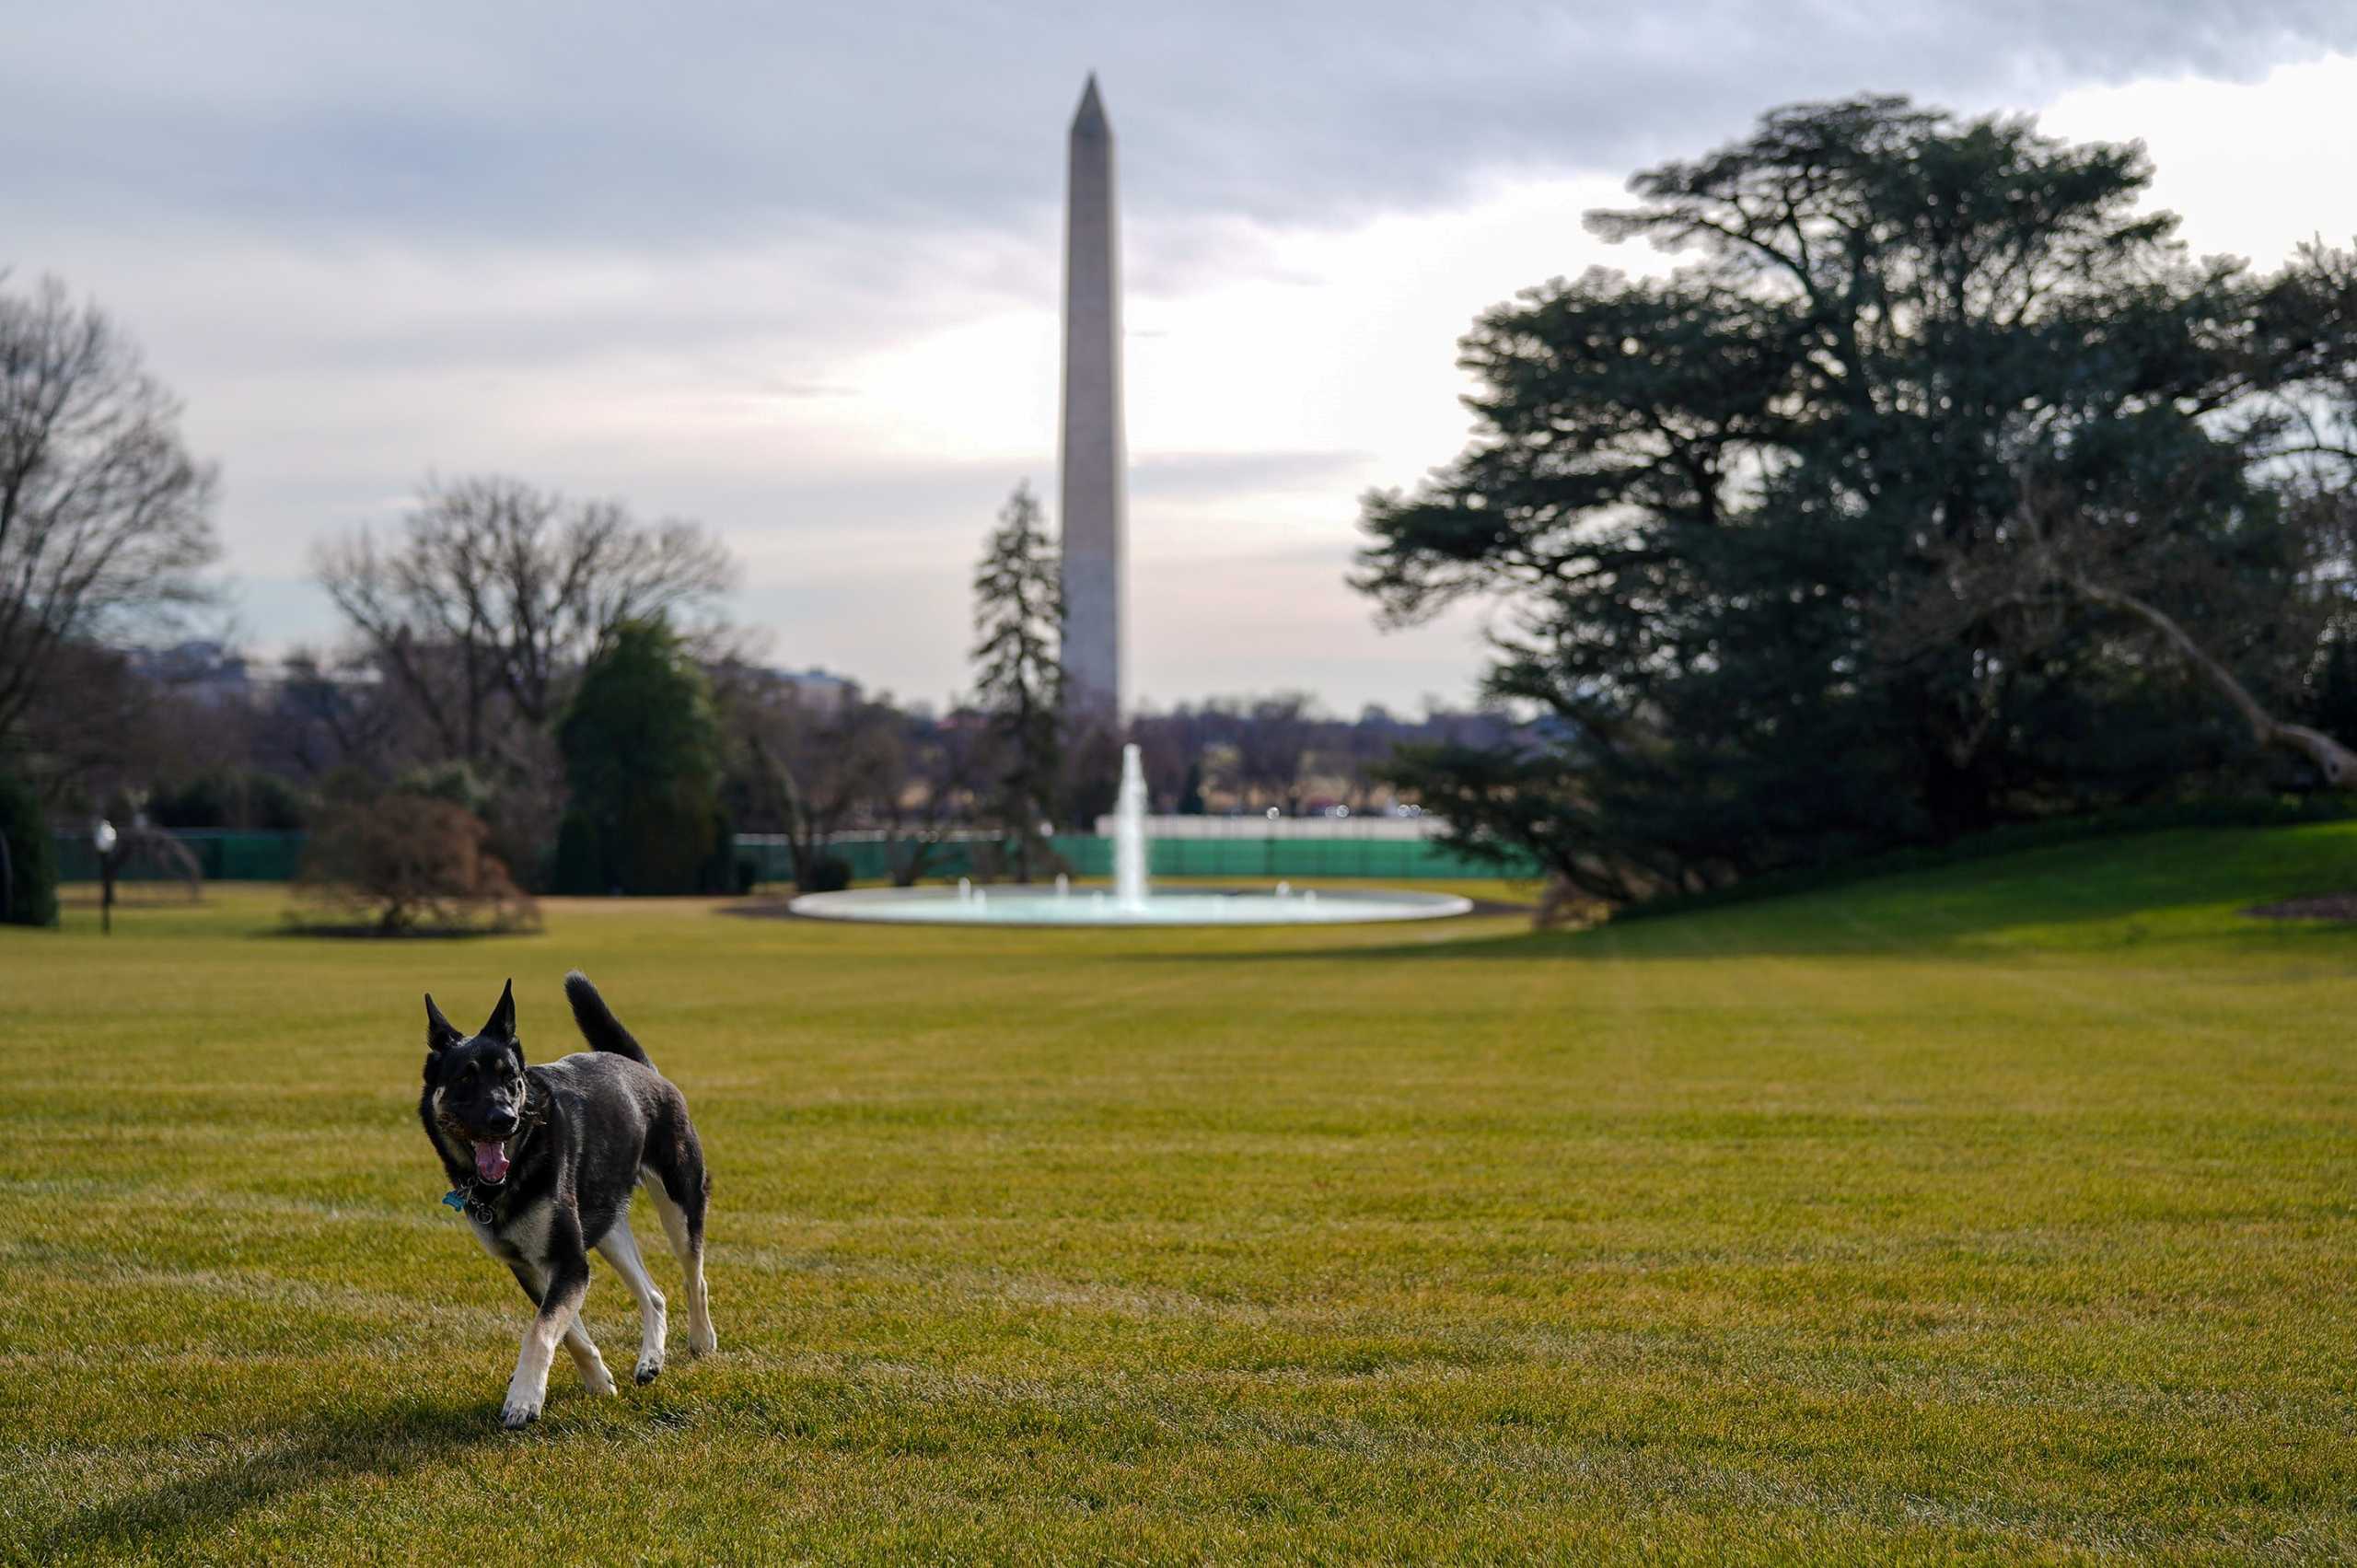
x=139 y=896
x=370 y=933
x=1560 y=945
x=295 y=925
x=384 y=1444
x=1670 y=940
x=1916 y=932
x=2161 y=893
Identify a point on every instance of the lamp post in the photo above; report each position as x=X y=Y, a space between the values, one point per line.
x=103 y=838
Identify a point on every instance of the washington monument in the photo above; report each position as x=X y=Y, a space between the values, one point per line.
x=1094 y=496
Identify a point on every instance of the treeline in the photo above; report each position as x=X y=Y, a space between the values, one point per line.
x=531 y=693
x=200 y=738
x=861 y=763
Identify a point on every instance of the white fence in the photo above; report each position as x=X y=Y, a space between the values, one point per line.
x=1391 y=829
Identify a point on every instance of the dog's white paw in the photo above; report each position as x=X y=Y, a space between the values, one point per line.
x=598 y=1381
x=518 y=1415
x=702 y=1341
x=650 y=1367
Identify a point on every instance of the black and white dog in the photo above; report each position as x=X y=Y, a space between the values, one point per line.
x=543 y=1160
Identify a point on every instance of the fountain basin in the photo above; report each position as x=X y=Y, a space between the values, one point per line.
x=1132 y=900
x=1018 y=905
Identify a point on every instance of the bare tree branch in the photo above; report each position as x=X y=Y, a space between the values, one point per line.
x=494 y=593
x=2056 y=552
x=2338 y=765
x=105 y=519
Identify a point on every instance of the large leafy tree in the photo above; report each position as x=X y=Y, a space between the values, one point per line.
x=1712 y=495
x=1018 y=670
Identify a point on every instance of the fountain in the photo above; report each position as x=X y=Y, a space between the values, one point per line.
x=1133 y=899
x=1129 y=835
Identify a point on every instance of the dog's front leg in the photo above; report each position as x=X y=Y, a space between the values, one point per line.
x=594 y=1376
x=568 y=1280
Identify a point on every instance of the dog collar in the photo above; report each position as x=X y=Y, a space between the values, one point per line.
x=478 y=1201
x=469 y=1202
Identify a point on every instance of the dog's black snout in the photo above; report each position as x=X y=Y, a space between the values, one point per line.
x=501 y=1122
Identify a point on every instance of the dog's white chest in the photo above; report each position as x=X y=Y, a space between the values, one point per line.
x=523 y=1237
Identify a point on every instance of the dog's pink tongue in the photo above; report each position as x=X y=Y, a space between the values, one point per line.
x=491 y=1161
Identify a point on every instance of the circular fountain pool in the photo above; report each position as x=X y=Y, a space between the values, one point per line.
x=1085 y=906
x=1131 y=900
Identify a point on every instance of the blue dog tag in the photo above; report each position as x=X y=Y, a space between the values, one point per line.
x=451 y=1200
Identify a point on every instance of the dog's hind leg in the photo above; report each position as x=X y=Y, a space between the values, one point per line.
x=583 y=1351
x=678 y=1186
x=620 y=1248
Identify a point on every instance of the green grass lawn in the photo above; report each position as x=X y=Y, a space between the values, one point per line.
x=1998 y=1213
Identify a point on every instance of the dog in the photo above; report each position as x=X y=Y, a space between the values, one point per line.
x=541 y=1162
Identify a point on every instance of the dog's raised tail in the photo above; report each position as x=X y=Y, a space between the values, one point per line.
x=596 y=1021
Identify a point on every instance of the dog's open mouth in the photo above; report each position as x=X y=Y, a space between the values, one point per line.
x=491 y=1159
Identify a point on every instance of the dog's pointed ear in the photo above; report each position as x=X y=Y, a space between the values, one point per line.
x=439 y=1035
x=502 y=1025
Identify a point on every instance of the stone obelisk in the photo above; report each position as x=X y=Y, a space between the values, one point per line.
x=1094 y=496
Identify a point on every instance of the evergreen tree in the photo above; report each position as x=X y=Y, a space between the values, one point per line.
x=29 y=874
x=1710 y=495
x=1019 y=608
x=642 y=761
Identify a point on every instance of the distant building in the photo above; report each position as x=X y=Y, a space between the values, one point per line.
x=213 y=675
x=205 y=672
x=816 y=688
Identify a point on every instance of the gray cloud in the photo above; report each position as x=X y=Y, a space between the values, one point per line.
x=1190 y=475
x=645 y=126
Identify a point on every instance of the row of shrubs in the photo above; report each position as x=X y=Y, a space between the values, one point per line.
x=418 y=855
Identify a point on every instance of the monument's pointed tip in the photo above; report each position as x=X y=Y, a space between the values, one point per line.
x=1090 y=117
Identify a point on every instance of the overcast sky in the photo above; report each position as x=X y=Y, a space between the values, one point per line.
x=793 y=270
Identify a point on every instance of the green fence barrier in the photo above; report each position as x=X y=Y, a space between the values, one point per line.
x=226 y=857
x=1260 y=859
x=1086 y=855
x=221 y=855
